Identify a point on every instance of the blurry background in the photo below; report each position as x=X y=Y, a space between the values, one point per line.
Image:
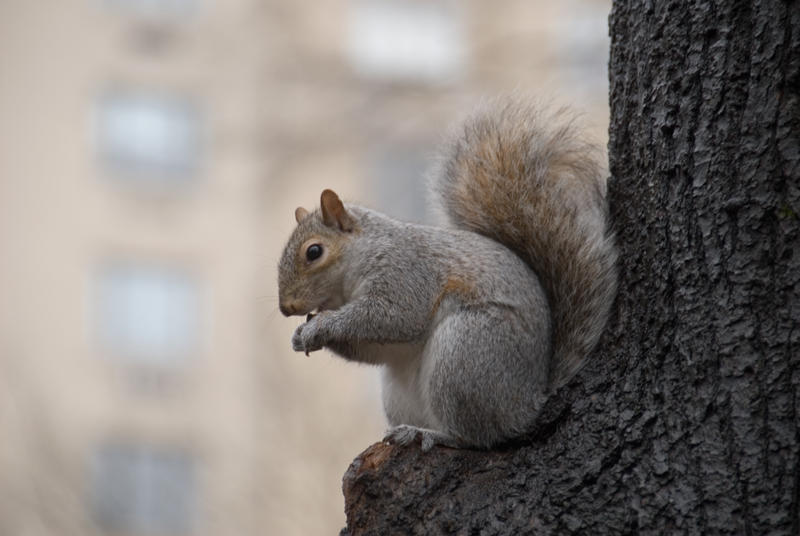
x=151 y=155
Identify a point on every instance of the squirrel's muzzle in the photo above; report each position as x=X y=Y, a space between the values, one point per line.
x=291 y=308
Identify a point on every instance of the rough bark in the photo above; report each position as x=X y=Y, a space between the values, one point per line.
x=687 y=418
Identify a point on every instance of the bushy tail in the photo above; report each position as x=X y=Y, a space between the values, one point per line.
x=521 y=176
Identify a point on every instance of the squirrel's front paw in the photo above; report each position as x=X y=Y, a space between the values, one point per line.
x=306 y=338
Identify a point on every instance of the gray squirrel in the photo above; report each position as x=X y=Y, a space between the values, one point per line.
x=477 y=322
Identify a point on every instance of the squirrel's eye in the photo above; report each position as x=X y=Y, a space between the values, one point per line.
x=313 y=252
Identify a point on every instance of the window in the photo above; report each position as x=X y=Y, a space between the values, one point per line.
x=154 y=8
x=581 y=35
x=398 y=176
x=148 y=314
x=405 y=40
x=141 y=490
x=149 y=137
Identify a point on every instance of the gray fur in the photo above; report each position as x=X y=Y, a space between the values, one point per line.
x=543 y=196
x=467 y=366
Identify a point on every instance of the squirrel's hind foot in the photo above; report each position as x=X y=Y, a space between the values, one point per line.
x=405 y=434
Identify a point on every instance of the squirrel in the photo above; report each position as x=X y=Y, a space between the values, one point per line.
x=475 y=323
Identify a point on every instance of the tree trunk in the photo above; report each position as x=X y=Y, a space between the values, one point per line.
x=687 y=418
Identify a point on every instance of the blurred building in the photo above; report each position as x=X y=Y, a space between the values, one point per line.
x=151 y=155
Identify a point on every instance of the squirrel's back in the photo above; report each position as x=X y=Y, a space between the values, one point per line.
x=521 y=176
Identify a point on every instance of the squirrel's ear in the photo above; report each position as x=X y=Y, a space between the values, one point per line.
x=300 y=214
x=333 y=212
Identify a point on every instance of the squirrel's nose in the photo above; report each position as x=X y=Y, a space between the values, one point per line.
x=288 y=309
